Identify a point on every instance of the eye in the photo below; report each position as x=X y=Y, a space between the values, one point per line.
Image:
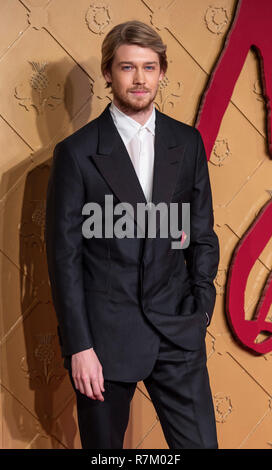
x=150 y=67
x=126 y=67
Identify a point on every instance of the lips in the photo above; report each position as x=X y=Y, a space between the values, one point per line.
x=139 y=92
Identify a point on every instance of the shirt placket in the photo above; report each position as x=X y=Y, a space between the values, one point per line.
x=141 y=159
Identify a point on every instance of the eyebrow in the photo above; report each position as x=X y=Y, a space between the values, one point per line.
x=129 y=62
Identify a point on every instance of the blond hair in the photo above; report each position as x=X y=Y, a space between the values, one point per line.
x=131 y=32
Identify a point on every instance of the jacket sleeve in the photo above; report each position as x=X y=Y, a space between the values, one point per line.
x=202 y=254
x=64 y=242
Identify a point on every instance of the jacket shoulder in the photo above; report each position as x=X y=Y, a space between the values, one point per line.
x=180 y=128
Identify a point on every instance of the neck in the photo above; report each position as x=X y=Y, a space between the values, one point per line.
x=141 y=116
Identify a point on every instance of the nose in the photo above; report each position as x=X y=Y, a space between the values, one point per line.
x=139 y=76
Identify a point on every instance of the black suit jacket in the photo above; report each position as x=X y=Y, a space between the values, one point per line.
x=119 y=295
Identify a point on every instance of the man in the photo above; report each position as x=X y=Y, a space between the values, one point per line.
x=133 y=308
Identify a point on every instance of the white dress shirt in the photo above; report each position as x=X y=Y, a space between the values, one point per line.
x=139 y=142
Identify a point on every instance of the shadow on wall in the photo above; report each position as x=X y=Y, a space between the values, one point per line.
x=42 y=415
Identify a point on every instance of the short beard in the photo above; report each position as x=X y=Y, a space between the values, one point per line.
x=128 y=107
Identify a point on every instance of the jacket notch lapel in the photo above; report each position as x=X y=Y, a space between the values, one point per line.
x=115 y=165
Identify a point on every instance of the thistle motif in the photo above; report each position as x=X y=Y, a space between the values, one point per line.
x=39 y=80
x=48 y=370
x=38 y=217
x=38 y=92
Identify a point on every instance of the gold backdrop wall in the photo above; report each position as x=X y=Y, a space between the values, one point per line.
x=50 y=86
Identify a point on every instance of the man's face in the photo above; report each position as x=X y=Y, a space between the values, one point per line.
x=134 y=77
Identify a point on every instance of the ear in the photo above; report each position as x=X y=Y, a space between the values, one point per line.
x=107 y=76
x=161 y=75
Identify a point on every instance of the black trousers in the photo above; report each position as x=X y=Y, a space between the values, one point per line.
x=180 y=392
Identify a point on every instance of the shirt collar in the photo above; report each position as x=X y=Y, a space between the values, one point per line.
x=127 y=126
